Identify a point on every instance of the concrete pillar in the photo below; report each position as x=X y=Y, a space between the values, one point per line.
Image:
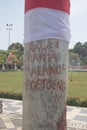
x=45 y=66
x=45 y=85
x=1 y=107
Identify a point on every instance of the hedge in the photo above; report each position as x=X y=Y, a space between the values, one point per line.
x=71 y=101
x=11 y=96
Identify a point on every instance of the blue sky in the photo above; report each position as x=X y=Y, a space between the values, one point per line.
x=78 y=21
x=12 y=12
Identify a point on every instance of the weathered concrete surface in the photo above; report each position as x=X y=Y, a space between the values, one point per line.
x=1 y=106
x=45 y=83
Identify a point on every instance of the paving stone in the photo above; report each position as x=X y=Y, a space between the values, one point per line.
x=17 y=122
x=12 y=114
x=2 y=125
x=81 y=118
x=69 y=109
x=83 y=111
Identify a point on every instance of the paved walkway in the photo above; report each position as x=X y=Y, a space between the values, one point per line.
x=11 y=118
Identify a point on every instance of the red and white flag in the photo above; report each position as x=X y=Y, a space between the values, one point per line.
x=10 y=56
x=46 y=19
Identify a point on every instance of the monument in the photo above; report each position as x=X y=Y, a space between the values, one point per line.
x=46 y=39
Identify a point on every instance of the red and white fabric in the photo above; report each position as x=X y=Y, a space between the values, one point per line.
x=10 y=56
x=46 y=19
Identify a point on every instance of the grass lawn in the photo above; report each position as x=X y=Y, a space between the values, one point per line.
x=77 y=84
x=13 y=82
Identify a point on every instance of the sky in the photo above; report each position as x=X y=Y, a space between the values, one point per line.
x=12 y=12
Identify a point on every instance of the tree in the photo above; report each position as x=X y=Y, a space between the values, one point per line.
x=3 y=56
x=18 y=50
x=85 y=60
x=16 y=46
x=78 y=48
x=74 y=59
x=81 y=49
x=84 y=49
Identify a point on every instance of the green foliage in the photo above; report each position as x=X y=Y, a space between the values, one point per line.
x=3 y=56
x=78 y=48
x=74 y=58
x=18 y=51
x=85 y=60
x=9 y=95
x=81 y=50
x=71 y=101
x=84 y=103
x=16 y=46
